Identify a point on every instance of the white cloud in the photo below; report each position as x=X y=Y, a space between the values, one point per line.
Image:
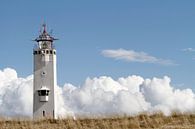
x=100 y=96
x=163 y=97
x=133 y=56
x=188 y=49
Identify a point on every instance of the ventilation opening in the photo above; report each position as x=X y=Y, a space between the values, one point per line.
x=43 y=113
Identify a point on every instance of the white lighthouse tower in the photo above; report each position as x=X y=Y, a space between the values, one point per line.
x=44 y=76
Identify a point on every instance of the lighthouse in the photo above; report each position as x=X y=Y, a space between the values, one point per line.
x=44 y=82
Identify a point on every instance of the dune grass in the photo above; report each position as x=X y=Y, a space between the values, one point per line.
x=156 y=121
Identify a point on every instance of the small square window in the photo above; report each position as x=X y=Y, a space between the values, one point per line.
x=35 y=52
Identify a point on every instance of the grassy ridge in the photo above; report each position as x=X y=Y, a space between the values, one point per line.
x=156 y=121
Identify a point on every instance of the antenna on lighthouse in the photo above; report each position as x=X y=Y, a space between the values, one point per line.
x=44 y=28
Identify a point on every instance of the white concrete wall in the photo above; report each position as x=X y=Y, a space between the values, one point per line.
x=44 y=63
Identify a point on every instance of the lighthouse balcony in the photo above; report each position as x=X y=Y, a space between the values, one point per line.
x=43 y=94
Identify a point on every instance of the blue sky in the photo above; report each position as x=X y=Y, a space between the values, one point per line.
x=160 y=29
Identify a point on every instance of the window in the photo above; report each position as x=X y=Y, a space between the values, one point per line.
x=35 y=52
x=43 y=73
x=51 y=52
x=47 y=51
x=39 y=52
x=43 y=113
x=54 y=52
x=43 y=92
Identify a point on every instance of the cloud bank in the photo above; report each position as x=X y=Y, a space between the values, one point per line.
x=133 y=56
x=102 y=96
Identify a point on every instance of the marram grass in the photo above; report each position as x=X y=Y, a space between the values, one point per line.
x=156 y=121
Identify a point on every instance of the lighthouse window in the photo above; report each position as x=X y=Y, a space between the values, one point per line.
x=43 y=92
x=47 y=51
x=43 y=73
x=43 y=113
x=54 y=52
x=35 y=52
x=51 y=52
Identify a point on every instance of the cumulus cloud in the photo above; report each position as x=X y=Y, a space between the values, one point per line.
x=133 y=56
x=15 y=94
x=100 y=96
